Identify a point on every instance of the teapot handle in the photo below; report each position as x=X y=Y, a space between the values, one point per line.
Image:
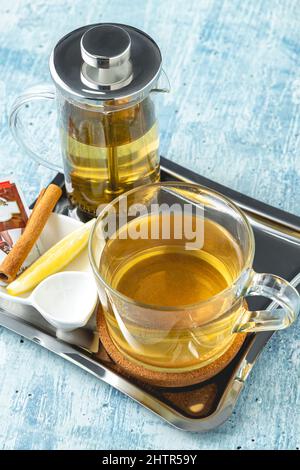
x=40 y=92
x=163 y=84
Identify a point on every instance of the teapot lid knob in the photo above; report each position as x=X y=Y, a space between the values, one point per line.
x=105 y=46
x=105 y=50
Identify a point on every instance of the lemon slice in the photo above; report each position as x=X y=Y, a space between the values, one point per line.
x=53 y=260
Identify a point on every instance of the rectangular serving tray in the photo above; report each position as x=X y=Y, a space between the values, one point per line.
x=200 y=407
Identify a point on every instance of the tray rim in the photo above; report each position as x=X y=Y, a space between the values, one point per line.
x=247 y=203
x=284 y=221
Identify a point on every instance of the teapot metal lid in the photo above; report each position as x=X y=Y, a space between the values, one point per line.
x=106 y=61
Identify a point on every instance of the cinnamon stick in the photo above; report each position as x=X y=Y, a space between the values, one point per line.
x=38 y=200
x=43 y=207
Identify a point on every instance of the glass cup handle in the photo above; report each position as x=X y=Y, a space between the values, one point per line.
x=41 y=92
x=280 y=291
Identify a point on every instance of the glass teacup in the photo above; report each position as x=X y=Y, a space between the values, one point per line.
x=173 y=266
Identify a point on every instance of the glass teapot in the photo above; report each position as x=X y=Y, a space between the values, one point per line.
x=104 y=76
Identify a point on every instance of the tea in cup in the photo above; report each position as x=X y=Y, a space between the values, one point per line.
x=173 y=266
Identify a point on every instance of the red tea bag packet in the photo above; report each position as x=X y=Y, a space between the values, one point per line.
x=14 y=215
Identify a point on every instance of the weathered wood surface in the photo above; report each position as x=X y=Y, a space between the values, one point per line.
x=233 y=115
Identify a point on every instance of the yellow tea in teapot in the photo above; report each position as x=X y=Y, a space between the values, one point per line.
x=108 y=153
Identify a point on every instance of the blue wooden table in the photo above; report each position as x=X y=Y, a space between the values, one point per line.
x=233 y=115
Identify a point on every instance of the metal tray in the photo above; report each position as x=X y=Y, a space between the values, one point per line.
x=199 y=407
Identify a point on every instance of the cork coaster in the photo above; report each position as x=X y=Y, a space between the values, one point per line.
x=165 y=379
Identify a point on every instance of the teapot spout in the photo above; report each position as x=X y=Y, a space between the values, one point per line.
x=163 y=84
